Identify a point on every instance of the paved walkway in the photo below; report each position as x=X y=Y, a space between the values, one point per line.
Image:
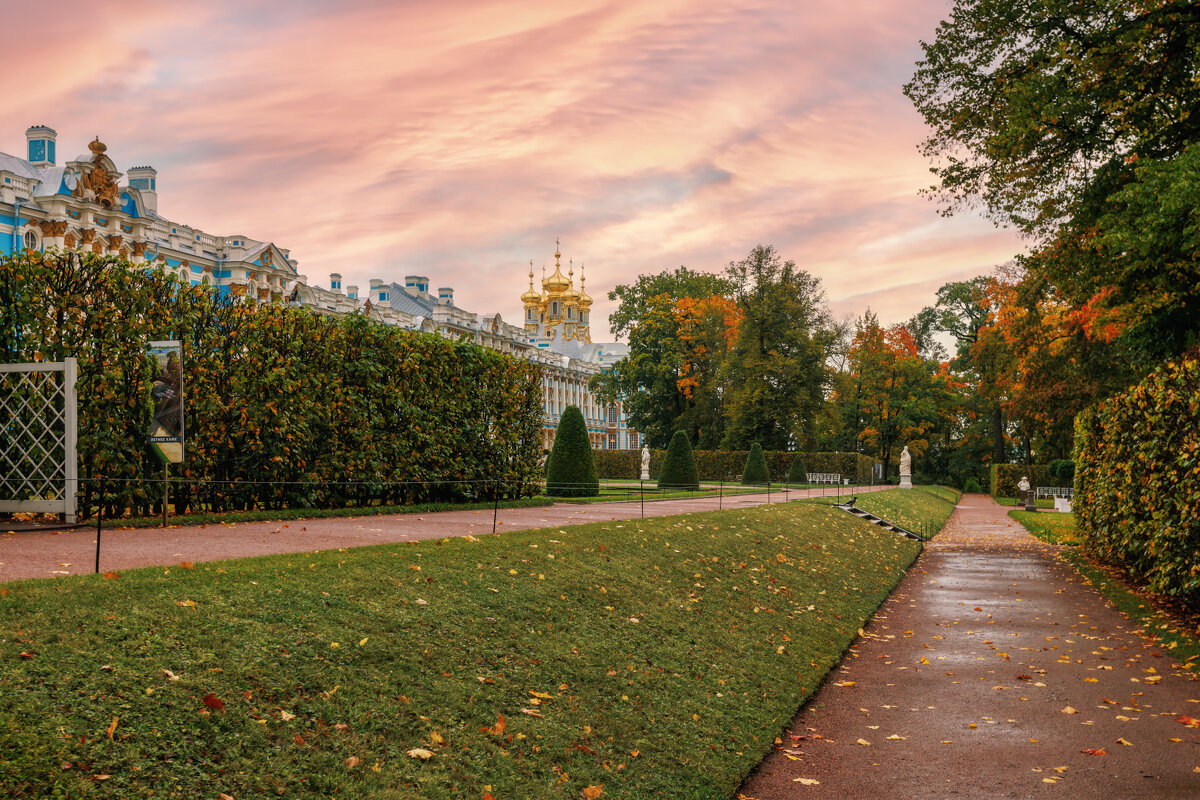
x=44 y=555
x=986 y=675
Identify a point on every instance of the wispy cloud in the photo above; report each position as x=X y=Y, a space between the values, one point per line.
x=458 y=139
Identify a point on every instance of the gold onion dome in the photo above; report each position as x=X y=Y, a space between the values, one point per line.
x=570 y=294
x=531 y=296
x=556 y=283
x=584 y=299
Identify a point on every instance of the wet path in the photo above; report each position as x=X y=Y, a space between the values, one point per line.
x=986 y=675
x=44 y=555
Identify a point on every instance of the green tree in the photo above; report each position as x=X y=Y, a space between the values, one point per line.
x=679 y=467
x=636 y=300
x=1075 y=123
x=756 y=472
x=572 y=466
x=776 y=372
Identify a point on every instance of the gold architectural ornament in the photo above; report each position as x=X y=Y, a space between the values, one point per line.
x=97 y=185
x=96 y=146
x=266 y=258
x=57 y=228
x=139 y=248
x=87 y=235
x=114 y=242
x=70 y=242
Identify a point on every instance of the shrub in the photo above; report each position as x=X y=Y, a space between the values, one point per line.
x=756 y=472
x=572 y=467
x=1137 y=484
x=797 y=474
x=679 y=469
x=1063 y=470
x=972 y=486
x=727 y=465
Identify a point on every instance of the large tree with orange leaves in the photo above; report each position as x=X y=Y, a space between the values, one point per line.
x=708 y=327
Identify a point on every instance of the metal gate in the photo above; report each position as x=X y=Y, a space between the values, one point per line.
x=39 y=463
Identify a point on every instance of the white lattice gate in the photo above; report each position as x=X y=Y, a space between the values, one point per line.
x=39 y=464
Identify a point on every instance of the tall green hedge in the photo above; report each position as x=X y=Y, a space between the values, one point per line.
x=727 y=465
x=1005 y=478
x=1137 y=480
x=797 y=473
x=283 y=407
x=679 y=469
x=572 y=469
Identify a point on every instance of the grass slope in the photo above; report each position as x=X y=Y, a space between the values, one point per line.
x=654 y=658
x=915 y=510
x=1052 y=528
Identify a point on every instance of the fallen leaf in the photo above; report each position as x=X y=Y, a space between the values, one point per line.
x=592 y=792
x=1124 y=742
x=285 y=716
x=352 y=761
x=112 y=727
x=420 y=752
x=1191 y=722
x=28 y=656
x=1091 y=751
x=542 y=695
x=1069 y=710
x=171 y=676
x=806 y=781
x=112 y=576
x=213 y=702
x=186 y=603
x=223 y=796
x=533 y=712
x=863 y=742
x=186 y=565
x=435 y=738
x=896 y=737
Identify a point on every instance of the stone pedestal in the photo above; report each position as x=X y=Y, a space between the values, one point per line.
x=906 y=482
x=645 y=474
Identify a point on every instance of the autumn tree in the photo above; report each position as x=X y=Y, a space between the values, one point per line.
x=707 y=329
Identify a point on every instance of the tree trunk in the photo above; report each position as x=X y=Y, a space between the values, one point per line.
x=999 y=455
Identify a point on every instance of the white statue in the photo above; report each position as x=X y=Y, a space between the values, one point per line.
x=645 y=463
x=906 y=469
x=1023 y=484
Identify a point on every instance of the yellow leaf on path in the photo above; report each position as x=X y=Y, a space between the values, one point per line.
x=1123 y=741
x=846 y=684
x=112 y=726
x=592 y=792
x=1069 y=710
x=285 y=716
x=806 y=781
x=351 y=762
x=420 y=752
x=863 y=742
x=924 y=660
x=896 y=737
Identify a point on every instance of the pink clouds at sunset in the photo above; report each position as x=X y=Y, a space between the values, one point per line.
x=458 y=139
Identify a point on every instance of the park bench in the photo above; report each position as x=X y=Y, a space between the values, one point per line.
x=1063 y=496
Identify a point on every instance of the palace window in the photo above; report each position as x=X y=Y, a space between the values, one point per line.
x=31 y=241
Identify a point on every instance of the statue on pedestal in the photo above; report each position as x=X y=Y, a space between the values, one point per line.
x=906 y=469
x=645 y=463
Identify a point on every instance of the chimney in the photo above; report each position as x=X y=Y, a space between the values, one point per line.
x=145 y=180
x=352 y=292
x=446 y=296
x=41 y=140
x=416 y=284
x=335 y=281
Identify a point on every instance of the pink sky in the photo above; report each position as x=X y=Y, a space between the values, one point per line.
x=457 y=139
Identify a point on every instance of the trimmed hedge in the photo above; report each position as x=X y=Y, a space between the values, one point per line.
x=1137 y=480
x=572 y=470
x=756 y=472
x=284 y=408
x=727 y=465
x=798 y=472
x=679 y=470
x=1005 y=478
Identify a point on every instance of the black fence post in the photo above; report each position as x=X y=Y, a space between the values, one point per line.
x=99 y=520
x=642 y=486
x=721 y=496
x=496 y=507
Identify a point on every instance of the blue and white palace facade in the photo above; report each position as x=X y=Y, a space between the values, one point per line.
x=87 y=203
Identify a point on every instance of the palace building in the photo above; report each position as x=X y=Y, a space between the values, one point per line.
x=87 y=203
x=84 y=204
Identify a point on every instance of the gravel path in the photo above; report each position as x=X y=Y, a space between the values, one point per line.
x=987 y=674
x=73 y=552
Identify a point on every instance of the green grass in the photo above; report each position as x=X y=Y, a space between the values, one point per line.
x=944 y=492
x=1045 y=502
x=670 y=652
x=921 y=512
x=632 y=493
x=1050 y=528
x=1179 y=644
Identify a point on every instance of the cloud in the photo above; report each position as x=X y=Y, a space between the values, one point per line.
x=457 y=140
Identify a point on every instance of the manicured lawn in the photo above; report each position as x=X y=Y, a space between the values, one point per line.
x=654 y=658
x=918 y=511
x=1045 y=502
x=1053 y=528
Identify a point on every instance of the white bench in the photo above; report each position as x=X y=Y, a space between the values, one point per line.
x=823 y=477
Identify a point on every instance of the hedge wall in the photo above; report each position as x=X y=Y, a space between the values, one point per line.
x=1005 y=478
x=1137 y=480
x=715 y=465
x=273 y=394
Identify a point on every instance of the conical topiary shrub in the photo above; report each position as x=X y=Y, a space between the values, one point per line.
x=679 y=469
x=571 y=469
x=797 y=474
x=756 y=467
